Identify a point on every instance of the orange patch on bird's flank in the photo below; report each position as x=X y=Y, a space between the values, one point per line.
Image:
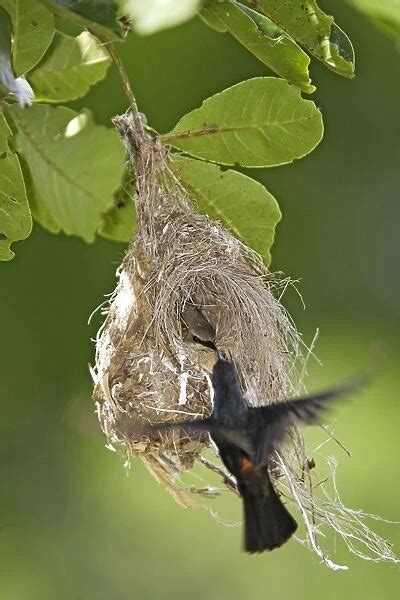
x=247 y=466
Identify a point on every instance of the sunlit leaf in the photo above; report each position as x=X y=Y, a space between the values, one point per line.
x=240 y=203
x=261 y=122
x=311 y=27
x=149 y=16
x=264 y=39
x=8 y=82
x=70 y=67
x=15 y=216
x=33 y=29
x=76 y=165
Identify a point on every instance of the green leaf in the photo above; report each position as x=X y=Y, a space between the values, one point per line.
x=311 y=27
x=33 y=29
x=264 y=39
x=385 y=14
x=76 y=165
x=149 y=16
x=70 y=68
x=262 y=122
x=38 y=208
x=242 y=205
x=15 y=217
x=119 y=221
x=8 y=82
x=100 y=16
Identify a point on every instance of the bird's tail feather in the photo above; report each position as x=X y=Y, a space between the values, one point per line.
x=267 y=522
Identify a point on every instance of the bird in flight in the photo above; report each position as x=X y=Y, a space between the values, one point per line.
x=247 y=439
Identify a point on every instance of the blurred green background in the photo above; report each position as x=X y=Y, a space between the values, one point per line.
x=72 y=523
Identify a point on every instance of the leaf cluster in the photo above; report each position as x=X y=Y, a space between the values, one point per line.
x=68 y=173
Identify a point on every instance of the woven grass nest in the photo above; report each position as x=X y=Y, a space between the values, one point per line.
x=180 y=266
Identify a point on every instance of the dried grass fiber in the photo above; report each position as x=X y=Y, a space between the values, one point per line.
x=148 y=368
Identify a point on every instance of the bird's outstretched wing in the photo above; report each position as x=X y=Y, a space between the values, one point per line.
x=271 y=423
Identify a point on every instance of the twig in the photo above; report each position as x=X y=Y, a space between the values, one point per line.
x=332 y=437
x=310 y=527
x=123 y=75
x=229 y=481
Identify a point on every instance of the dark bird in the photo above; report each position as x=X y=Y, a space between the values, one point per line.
x=246 y=439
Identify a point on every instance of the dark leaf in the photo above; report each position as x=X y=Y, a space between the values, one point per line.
x=8 y=82
x=275 y=48
x=15 y=216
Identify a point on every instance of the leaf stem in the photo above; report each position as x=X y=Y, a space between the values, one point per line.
x=123 y=75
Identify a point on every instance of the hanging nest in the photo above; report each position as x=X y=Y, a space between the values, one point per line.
x=184 y=274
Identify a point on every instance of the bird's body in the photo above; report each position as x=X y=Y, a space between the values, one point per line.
x=247 y=439
x=267 y=522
